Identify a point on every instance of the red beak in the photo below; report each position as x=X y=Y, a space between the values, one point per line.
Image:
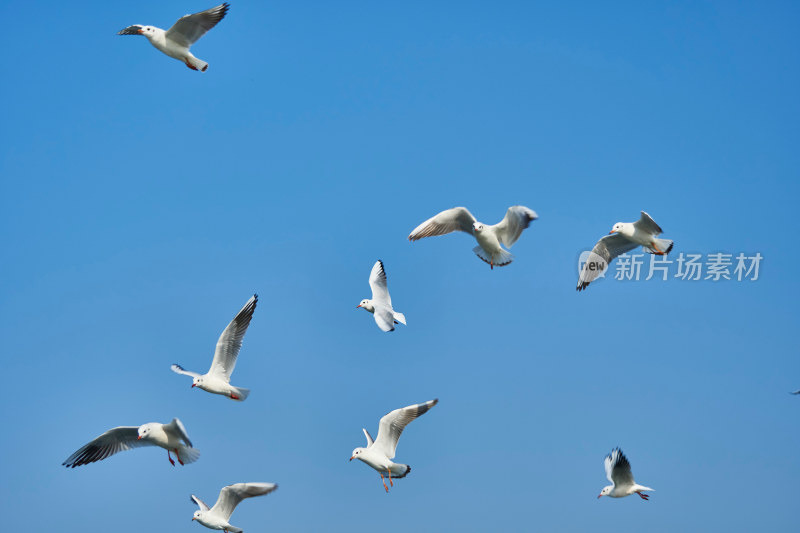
x=194 y=385
x=599 y=496
x=610 y=232
x=139 y=437
x=359 y=305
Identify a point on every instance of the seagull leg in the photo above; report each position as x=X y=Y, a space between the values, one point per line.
x=177 y=455
x=390 y=477
x=491 y=263
x=654 y=247
x=234 y=397
x=170 y=458
x=190 y=65
x=643 y=496
x=384 y=482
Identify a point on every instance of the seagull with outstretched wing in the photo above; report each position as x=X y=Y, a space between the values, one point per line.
x=490 y=238
x=176 y=41
x=381 y=303
x=218 y=378
x=618 y=472
x=229 y=497
x=379 y=452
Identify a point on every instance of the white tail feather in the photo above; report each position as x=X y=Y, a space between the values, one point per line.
x=188 y=455
x=241 y=393
x=501 y=258
x=400 y=317
x=665 y=245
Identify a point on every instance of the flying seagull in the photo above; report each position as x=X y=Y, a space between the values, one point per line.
x=229 y=497
x=379 y=453
x=176 y=41
x=381 y=303
x=218 y=378
x=490 y=238
x=618 y=472
x=623 y=237
x=167 y=436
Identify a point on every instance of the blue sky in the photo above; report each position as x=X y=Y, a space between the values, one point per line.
x=143 y=203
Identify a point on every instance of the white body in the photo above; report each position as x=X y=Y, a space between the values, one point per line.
x=217 y=379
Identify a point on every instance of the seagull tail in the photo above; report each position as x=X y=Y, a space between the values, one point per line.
x=188 y=454
x=642 y=487
x=240 y=392
x=195 y=64
x=404 y=470
x=501 y=258
x=665 y=245
x=399 y=317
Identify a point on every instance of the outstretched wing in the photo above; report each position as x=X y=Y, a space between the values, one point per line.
x=176 y=428
x=393 y=424
x=517 y=218
x=135 y=29
x=200 y=503
x=230 y=496
x=369 y=437
x=378 y=284
x=455 y=219
x=601 y=256
x=618 y=469
x=189 y=28
x=648 y=225
x=230 y=341
x=112 y=441
x=178 y=369
x=384 y=318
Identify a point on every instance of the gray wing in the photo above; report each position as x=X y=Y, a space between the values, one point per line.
x=647 y=224
x=455 y=219
x=176 y=428
x=384 y=318
x=136 y=29
x=112 y=441
x=393 y=424
x=232 y=495
x=378 y=284
x=517 y=218
x=618 y=469
x=178 y=369
x=200 y=503
x=189 y=28
x=230 y=341
x=601 y=256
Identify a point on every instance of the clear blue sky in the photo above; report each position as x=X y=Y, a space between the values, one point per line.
x=143 y=203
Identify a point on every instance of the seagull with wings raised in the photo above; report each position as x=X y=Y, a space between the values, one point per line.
x=218 y=378
x=623 y=237
x=229 y=497
x=176 y=41
x=119 y=439
x=490 y=238
x=618 y=472
x=381 y=303
x=379 y=452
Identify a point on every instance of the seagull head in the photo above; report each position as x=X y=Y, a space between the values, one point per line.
x=144 y=431
x=617 y=228
x=356 y=453
x=197 y=515
x=477 y=227
x=606 y=491
x=366 y=304
x=197 y=381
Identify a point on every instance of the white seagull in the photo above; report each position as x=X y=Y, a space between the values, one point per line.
x=175 y=42
x=623 y=237
x=618 y=472
x=229 y=497
x=490 y=238
x=381 y=303
x=218 y=378
x=379 y=453
x=167 y=436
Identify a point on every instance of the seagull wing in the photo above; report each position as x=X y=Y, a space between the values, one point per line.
x=232 y=495
x=176 y=428
x=200 y=503
x=383 y=317
x=393 y=424
x=517 y=218
x=189 y=28
x=112 y=441
x=135 y=29
x=618 y=469
x=648 y=225
x=230 y=341
x=377 y=282
x=455 y=219
x=369 y=437
x=601 y=256
x=178 y=369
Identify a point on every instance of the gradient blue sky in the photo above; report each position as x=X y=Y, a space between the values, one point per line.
x=143 y=203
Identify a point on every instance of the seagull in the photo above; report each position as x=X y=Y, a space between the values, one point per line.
x=489 y=238
x=175 y=42
x=381 y=303
x=168 y=436
x=218 y=378
x=229 y=497
x=795 y=392
x=618 y=472
x=379 y=453
x=623 y=237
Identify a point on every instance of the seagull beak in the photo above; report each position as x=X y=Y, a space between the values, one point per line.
x=599 y=496
x=139 y=437
x=612 y=231
x=194 y=385
x=352 y=458
x=193 y=519
x=140 y=31
x=359 y=305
